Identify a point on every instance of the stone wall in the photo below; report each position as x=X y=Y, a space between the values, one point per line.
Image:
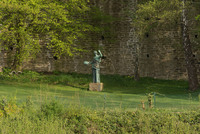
x=119 y=52
x=158 y=56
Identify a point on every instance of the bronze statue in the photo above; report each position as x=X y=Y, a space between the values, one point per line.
x=95 y=66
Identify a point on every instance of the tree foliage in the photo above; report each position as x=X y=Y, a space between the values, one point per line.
x=198 y=17
x=24 y=24
x=156 y=14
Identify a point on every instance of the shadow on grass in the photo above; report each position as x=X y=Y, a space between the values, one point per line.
x=114 y=84
x=124 y=84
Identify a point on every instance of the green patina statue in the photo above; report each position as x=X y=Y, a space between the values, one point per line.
x=95 y=66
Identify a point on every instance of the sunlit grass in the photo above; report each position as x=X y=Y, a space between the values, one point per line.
x=120 y=92
x=118 y=109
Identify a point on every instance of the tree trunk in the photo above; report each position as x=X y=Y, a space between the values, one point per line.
x=18 y=57
x=190 y=64
x=17 y=61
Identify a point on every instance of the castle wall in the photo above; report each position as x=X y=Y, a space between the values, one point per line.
x=119 y=52
x=156 y=56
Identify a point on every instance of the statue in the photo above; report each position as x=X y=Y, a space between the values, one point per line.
x=95 y=66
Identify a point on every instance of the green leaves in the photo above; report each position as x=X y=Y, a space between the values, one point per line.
x=57 y=23
x=198 y=17
x=157 y=13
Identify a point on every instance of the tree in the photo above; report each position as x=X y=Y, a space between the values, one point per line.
x=24 y=24
x=190 y=63
x=167 y=14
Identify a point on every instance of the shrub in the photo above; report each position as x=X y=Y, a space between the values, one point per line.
x=52 y=108
x=76 y=119
x=9 y=108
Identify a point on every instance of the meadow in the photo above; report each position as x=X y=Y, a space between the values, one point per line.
x=119 y=91
x=57 y=102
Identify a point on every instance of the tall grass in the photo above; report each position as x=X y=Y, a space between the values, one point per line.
x=53 y=117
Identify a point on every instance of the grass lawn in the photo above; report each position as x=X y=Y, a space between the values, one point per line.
x=120 y=92
x=62 y=104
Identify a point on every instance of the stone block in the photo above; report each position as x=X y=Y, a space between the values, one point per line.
x=96 y=86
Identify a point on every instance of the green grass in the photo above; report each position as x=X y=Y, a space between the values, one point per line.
x=53 y=119
x=61 y=103
x=120 y=92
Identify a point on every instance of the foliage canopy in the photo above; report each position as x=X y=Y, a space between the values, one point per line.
x=157 y=13
x=24 y=24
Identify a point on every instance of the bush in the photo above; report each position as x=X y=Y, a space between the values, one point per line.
x=52 y=108
x=53 y=118
x=9 y=108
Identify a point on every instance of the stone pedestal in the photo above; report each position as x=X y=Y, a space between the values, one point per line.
x=96 y=86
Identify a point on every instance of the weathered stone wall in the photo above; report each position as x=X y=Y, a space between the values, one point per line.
x=161 y=58
x=158 y=56
x=119 y=52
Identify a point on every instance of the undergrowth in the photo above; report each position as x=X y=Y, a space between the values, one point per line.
x=53 y=117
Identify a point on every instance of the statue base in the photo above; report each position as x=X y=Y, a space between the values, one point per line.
x=96 y=86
